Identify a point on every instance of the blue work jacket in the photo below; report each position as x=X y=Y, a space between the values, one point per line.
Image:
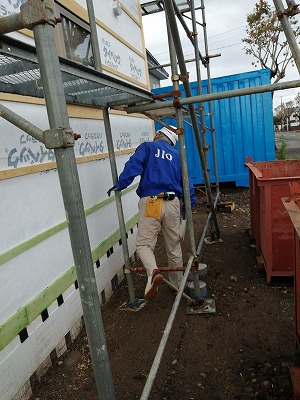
x=158 y=164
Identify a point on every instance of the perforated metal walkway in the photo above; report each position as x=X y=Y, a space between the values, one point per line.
x=20 y=74
x=152 y=7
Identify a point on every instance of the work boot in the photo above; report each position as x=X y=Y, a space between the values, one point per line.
x=154 y=280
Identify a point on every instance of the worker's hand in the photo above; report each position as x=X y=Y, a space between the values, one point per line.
x=112 y=189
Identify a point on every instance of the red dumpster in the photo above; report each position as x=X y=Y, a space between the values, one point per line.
x=292 y=206
x=271 y=228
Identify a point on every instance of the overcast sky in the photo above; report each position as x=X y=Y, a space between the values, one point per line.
x=226 y=23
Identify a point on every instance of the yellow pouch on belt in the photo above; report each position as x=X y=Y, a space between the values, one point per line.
x=153 y=207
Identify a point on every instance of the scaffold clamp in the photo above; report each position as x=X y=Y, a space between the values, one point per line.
x=36 y=12
x=184 y=78
x=59 y=138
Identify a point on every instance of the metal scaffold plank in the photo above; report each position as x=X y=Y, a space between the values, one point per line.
x=20 y=74
x=155 y=6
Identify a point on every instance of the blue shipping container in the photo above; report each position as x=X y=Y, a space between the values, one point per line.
x=243 y=127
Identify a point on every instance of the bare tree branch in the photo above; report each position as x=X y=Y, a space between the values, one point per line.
x=266 y=41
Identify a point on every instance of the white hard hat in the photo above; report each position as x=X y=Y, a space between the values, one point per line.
x=170 y=135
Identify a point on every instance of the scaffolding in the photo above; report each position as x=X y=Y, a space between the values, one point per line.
x=39 y=72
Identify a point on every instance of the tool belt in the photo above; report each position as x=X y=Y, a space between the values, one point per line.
x=165 y=196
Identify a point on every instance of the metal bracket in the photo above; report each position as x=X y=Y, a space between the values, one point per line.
x=209 y=240
x=58 y=138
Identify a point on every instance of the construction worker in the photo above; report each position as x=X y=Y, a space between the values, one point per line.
x=160 y=190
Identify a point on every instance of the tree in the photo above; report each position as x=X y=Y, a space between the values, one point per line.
x=266 y=40
x=279 y=113
x=283 y=114
x=277 y=121
x=289 y=111
x=297 y=110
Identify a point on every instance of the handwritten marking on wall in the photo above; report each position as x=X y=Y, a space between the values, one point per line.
x=86 y=148
x=111 y=58
x=145 y=137
x=135 y=71
x=125 y=141
x=26 y=155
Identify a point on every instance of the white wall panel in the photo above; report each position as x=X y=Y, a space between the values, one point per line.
x=122 y=24
x=21 y=364
x=130 y=132
x=28 y=274
x=20 y=360
x=109 y=266
x=133 y=7
x=30 y=205
x=120 y=58
x=21 y=149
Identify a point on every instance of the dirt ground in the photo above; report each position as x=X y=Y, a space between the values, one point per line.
x=242 y=351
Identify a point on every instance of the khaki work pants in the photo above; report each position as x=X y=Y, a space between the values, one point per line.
x=148 y=229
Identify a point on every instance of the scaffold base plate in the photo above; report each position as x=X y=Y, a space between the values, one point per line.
x=209 y=240
x=137 y=306
x=208 y=307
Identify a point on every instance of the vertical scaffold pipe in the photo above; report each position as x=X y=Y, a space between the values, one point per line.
x=114 y=172
x=211 y=108
x=112 y=158
x=203 y=127
x=73 y=202
x=181 y=140
x=94 y=35
x=175 y=34
x=290 y=37
x=198 y=74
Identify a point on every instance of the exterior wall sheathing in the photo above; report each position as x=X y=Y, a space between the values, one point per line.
x=41 y=312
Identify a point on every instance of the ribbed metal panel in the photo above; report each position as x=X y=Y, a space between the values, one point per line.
x=243 y=127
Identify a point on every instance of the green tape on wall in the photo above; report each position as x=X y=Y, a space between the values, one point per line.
x=30 y=311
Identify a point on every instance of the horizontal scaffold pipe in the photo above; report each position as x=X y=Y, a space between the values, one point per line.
x=186 y=61
x=12 y=23
x=21 y=123
x=216 y=96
